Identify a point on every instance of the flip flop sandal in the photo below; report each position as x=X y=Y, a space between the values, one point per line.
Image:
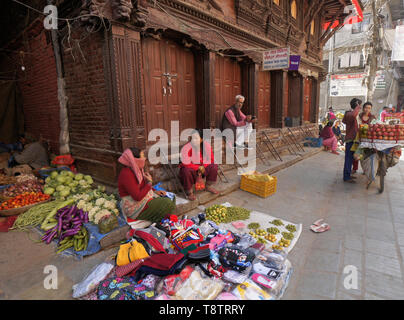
x=263 y=281
x=322 y=228
x=318 y=222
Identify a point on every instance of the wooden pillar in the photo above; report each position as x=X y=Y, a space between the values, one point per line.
x=301 y=86
x=124 y=81
x=207 y=100
x=252 y=88
x=315 y=100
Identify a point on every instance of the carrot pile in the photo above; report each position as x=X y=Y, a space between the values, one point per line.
x=23 y=200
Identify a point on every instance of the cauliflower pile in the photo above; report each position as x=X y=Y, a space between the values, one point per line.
x=97 y=203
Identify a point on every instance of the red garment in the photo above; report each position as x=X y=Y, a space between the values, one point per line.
x=160 y=261
x=136 y=164
x=232 y=118
x=327 y=133
x=188 y=176
x=351 y=123
x=128 y=185
x=187 y=156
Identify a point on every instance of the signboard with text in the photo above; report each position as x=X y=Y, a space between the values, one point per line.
x=276 y=59
x=294 y=62
x=348 y=85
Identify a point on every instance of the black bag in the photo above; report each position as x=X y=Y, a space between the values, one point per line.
x=235 y=258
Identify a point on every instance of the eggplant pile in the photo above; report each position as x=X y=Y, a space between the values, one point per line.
x=69 y=229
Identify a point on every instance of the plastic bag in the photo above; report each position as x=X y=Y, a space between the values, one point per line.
x=272 y=259
x=91 y=282
x=107 y=224
x=198 y=287
x=248 y=290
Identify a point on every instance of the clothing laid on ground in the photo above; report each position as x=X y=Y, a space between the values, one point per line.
x=191 y=160
x=34 y=154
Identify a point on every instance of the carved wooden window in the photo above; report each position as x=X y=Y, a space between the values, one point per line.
x=293 y=9
x=312 y=27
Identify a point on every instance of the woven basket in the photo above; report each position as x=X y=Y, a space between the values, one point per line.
x=260 y=188
x=15 y=211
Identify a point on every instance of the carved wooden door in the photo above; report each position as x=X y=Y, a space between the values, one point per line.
x=169 y=85
x=307 y=99
x=227 y=85
x=264 y=98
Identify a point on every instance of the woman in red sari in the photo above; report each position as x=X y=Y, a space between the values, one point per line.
x=139 y=202
x=197 y=159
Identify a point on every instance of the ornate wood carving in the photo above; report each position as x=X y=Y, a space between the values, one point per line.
x=121 y=9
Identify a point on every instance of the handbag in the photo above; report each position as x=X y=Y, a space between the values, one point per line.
x=130 y=252
x=199 y=183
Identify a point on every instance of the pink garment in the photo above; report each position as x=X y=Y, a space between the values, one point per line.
x=383 y=115
x=232 y=118
x=331 y=143
x=136 y=164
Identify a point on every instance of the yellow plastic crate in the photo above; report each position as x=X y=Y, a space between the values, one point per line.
x=260 y=188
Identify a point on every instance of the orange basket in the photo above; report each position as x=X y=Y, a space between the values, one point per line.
x=260 y=188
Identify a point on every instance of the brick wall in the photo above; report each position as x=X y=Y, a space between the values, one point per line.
x=38 y=85
x=87 y=94
x=89 y=122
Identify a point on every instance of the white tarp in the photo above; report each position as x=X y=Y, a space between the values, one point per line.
x=348 y=85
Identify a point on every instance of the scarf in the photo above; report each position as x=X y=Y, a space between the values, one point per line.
x=136 y=164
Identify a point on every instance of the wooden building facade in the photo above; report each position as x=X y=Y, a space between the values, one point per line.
x=145 y=63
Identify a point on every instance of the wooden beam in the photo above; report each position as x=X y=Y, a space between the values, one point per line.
x=313 y=15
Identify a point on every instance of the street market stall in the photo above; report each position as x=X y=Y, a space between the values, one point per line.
x=379 y=149
x=224 y=253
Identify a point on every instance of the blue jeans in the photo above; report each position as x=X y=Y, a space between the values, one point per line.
x=348 y=160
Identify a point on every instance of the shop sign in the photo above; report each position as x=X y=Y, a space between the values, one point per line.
x=276 y=59
x=294 y=62
x=348 y=85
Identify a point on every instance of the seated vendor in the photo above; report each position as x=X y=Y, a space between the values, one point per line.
x=10 y=147
x=138 y=200
x=329 y=139
x=34 y=154
x=197 y=159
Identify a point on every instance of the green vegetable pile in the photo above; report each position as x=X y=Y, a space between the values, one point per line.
x=273 y=230
x=253 y=225
x=37 y=214
x=221 y=214
x=65 y=184
x=277 y=222
x=291 y=228
x=288 y=235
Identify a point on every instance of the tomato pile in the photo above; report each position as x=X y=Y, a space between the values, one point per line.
x=23 y=200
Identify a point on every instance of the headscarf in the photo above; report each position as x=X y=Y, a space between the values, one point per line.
x=136 y=164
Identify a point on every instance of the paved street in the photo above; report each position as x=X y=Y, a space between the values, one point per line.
x=367 y=231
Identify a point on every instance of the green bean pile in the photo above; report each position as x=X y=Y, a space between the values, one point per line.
x=35 y=215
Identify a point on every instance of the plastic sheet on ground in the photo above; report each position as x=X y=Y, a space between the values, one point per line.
x=264 y=220
x=94 y=239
